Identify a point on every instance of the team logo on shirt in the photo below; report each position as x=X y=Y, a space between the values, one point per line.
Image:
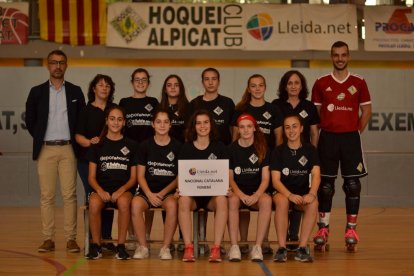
x=360 y=167
x=303 y=160
x=125 y=150
x=303 y=114
x=340 y=97
x=267 y=115
x=253 y=158
x=171 y=156
x=212 y=157
x=218 y=110
x=285 y=171
x=329 y=89
x=237 y=170
x=352 y=89
x=149 y=107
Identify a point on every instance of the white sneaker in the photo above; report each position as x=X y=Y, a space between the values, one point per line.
x=142 y=252
x=256 y=254
x=234 y=253
x=165 y=253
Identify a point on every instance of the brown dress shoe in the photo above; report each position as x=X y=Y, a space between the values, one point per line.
x=72 y=246
x=47 y=246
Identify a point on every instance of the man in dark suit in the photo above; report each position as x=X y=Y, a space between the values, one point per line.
x=52 y=110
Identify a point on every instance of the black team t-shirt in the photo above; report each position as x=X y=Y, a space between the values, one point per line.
x=268 y=118
x=305 y=109
x=294 y=166
x=222 y=109
x=90 y=124
x=161 y=162
x=113 y=160
x=139 y=113
x=246 y=168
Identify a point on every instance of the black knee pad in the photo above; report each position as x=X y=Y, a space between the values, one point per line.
x=352 y=189
x=326 y=192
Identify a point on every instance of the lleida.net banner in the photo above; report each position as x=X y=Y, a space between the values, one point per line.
x=255 y=27
x=389 y=28
x=299 y=27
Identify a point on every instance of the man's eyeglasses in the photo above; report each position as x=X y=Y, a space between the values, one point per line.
x=56 y=62
x=143 y=80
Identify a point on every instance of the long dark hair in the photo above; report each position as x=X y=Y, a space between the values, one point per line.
x=94 y=82
x=191 y=133
x=182 y=103
x=282 y=91
x=247 y=96
x=104 y=131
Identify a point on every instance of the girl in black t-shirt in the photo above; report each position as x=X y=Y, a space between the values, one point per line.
x=89 y=127
x=201 y=143
x=157 y=178
x=174 y=99
x=291 y=165
x=249 y=179
x=139 y=107
x=269 y=119
x=112 y=175
x=292 y=92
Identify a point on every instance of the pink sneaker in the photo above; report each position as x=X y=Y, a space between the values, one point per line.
x=188 y=253
x=215 y=256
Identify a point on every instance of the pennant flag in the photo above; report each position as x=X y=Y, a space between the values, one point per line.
x=74 y=22
x=14 y=23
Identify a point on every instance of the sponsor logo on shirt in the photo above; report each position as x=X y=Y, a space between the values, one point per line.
x=113 y=166
x=138 y=122
x=160 y=172
x=159 y=164
x=340 y=97
x=239 y=170
x=285 y=171
x=332 y=107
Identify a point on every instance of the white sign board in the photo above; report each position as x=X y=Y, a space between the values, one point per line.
x=203 y=177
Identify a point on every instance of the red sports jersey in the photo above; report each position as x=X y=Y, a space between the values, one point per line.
x=340 y=102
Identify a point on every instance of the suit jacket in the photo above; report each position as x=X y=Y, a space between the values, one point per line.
x=37 y=112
